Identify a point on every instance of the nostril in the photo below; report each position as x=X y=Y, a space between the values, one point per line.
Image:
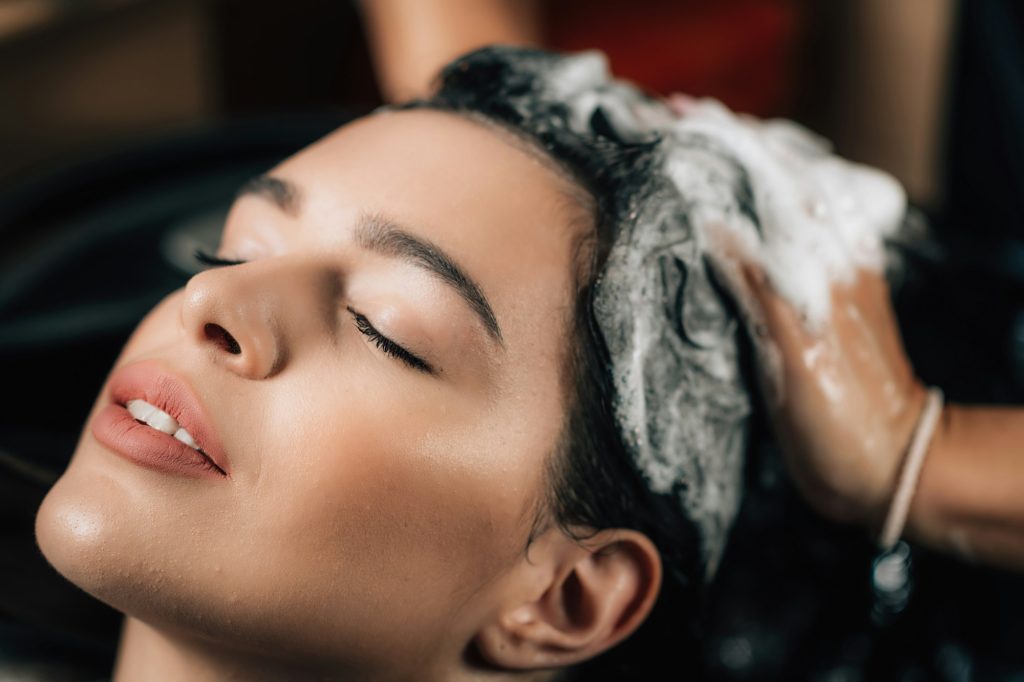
x=222 y=337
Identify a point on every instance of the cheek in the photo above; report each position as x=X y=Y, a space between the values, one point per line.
x=380 y=504
x=397 y=483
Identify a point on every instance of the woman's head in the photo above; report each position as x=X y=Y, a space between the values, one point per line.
x=395 y=377
x=670 y=390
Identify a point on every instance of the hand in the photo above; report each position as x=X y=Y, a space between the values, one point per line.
x=843 y=402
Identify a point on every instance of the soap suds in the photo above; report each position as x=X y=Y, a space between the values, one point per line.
x=807 y=218
x=677 y=176
x=814 y=218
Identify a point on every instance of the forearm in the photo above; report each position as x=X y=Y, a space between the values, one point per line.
x=970 y=497
x=412 y=39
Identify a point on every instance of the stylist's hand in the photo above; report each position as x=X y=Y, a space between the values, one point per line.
x=843 y=403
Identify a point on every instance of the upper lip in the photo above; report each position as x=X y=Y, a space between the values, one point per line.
x=150 y=381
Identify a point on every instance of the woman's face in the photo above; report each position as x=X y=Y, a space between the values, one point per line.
x=376 y=496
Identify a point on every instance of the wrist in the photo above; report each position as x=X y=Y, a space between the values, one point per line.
x=910 y=469
x=890 y=468
x=925 y=521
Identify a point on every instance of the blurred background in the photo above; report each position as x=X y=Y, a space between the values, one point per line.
x=127 y=125
x=87 y=74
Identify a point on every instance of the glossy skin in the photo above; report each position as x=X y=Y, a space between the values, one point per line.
x=847 y=399
x=376 y=518
x=850 y=403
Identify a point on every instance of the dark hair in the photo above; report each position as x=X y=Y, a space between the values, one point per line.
x=592 y=481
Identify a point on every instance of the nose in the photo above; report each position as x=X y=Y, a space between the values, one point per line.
x=248 y=317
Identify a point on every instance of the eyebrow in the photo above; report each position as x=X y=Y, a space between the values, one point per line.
x=282 y=193
x=381 y=234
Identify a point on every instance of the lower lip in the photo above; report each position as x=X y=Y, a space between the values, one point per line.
x=117 y=429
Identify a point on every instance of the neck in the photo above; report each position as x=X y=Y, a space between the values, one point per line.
x=148 y=654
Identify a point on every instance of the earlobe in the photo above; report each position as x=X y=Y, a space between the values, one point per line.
x=586 y=597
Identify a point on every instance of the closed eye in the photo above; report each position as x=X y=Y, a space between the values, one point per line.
x=387 y=345
x=205 y=258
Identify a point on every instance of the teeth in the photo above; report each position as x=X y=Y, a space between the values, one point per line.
x=161 y=421
x=140 y=409
x=186 y=438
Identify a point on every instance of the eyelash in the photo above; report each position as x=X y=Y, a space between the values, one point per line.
x=387 y=345
x=209 y=259
x=382 y=342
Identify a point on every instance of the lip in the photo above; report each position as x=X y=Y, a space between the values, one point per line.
x=116 y=428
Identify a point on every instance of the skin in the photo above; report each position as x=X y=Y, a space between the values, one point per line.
x=850 y=403
x=375 y=522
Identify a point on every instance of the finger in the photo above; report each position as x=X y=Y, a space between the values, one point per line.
x=892 y=341
x=729 y=272
x=870 y=325
x=796 y=363
x=736 y=269
x=727 y=268
x=679 y=103
x=782 y=322
x=780 y=338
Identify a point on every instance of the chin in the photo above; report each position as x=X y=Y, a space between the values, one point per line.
x=93 y=529
x=102 y=535
x=85 y=529
x=80 y=531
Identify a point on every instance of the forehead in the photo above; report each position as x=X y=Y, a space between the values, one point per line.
x=430 y=150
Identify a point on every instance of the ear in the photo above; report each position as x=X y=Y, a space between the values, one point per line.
x=573 y=599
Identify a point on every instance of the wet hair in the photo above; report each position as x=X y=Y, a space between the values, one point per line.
x=592 y=480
